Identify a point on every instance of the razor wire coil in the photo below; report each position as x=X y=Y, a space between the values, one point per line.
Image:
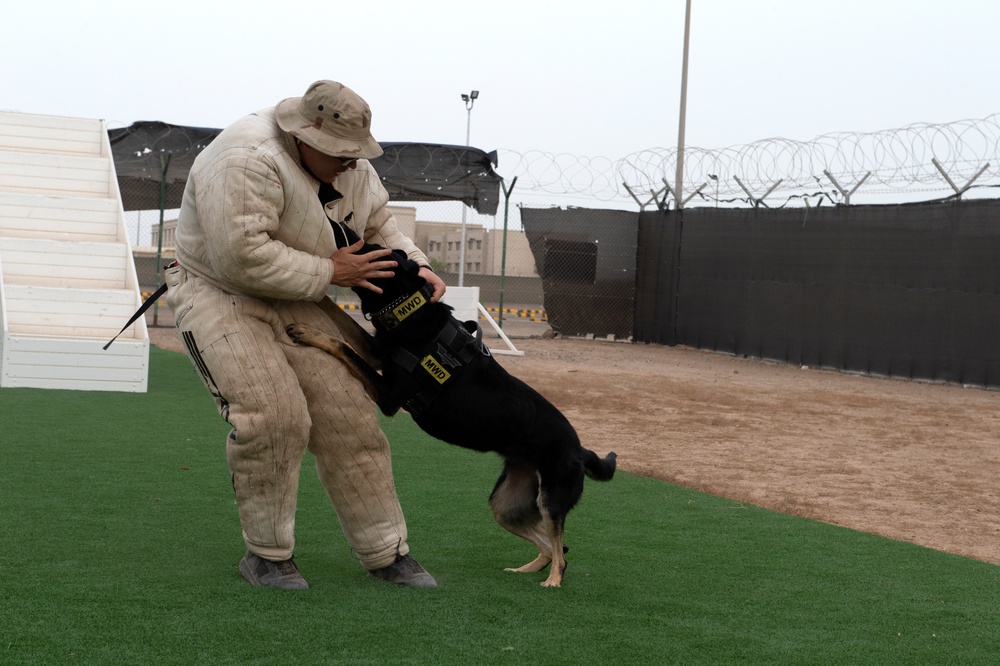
x=888 y=161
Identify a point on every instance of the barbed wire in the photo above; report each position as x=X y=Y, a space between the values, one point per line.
x=915 y=160
x=922 y=157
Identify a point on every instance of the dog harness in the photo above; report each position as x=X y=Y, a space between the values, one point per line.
x=440 y=362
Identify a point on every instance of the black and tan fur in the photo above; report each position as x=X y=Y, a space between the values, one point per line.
x=484 y=408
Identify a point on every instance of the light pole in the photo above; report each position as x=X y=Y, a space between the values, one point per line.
x=679 y=183
x=469 y=100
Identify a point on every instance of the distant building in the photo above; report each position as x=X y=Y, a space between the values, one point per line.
x=518 y=261
x=169 y=234
x=442 y=241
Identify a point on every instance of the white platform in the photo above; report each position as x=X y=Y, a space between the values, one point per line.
x=67 y=276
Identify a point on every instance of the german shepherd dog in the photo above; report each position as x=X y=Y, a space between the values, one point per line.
x=439 y=370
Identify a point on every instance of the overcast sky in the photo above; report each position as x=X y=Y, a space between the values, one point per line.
x=565 y=77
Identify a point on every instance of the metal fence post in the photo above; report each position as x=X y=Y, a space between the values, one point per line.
x=164 y=163
x=503 y=251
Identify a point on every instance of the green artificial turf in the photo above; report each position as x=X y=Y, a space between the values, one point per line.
x=119 y=542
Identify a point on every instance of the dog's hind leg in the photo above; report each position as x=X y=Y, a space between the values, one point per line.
x=558 y=493
x=374 y=385
x=357 y=337
x=514 y=502
x=553 y=524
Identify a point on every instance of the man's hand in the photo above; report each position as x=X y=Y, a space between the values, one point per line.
x=433 y=279
x=355 y=270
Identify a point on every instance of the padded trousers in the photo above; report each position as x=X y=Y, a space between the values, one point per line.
x=280 y=399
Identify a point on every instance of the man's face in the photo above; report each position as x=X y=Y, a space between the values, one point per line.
x=325 y=167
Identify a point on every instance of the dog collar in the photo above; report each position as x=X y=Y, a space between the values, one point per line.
x=396 y=312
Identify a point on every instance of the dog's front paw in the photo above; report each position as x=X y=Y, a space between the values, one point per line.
x=299 y=333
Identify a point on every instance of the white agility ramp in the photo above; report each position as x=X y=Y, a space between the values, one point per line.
x=67 y=277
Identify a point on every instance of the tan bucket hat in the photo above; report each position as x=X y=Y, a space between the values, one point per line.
x=331 y=118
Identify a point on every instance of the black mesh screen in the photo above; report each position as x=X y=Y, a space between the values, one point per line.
x=910 y=290
x=587 y=262
x=409 y=171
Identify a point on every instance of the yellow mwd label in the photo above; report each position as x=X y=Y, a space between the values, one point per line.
x=409 y=306
x=430 y=364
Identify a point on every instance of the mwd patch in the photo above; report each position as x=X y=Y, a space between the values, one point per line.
x=435 y=369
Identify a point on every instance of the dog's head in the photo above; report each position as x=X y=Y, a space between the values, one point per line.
x=405 y=281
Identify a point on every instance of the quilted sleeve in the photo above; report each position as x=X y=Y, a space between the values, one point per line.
x=240 y=202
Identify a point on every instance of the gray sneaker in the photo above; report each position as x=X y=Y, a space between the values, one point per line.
x=405 y=571
x=285 y=575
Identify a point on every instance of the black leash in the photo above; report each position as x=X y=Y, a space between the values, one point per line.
x=138 y=313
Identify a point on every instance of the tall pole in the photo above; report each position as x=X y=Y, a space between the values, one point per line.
x=678 y=183
x=470 y=101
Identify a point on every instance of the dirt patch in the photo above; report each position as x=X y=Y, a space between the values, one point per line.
x=912 y=461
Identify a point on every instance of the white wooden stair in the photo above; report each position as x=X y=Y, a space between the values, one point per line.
x=67 y=276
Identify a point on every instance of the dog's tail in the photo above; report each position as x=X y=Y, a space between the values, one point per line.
x=599 y=469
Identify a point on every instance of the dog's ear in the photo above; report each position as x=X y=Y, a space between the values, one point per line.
x=344 y=235
x=404 y=263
